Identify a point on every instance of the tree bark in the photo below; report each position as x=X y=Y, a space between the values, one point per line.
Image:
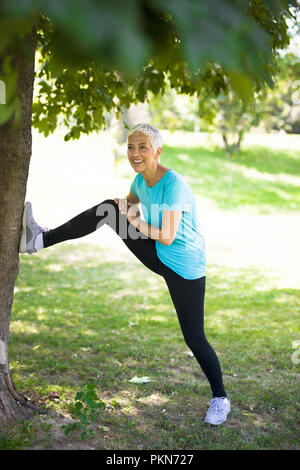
x=15 y=153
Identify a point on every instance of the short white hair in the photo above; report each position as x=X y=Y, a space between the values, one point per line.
x=150 y=131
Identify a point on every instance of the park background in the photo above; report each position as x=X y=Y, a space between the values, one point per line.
x=88 y=318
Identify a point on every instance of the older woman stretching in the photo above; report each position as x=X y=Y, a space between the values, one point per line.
x=168 y=241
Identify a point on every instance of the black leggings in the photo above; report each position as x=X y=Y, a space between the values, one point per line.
x=187 y=295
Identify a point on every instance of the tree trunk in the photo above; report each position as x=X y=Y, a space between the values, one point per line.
x=228 y=150
x=238 y=144
x=15 y=153
x=229 y=180
x=225 y=141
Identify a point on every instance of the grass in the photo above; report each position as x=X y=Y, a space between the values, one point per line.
x=85 y=315
x=79 y=320
x=263 y=179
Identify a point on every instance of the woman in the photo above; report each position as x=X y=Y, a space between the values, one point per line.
x=168 y=241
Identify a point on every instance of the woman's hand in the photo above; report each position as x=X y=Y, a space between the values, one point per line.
x=133 y=212
x=129 y=208
x=123 y=204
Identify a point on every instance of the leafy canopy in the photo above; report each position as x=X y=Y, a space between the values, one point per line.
x=96 y=56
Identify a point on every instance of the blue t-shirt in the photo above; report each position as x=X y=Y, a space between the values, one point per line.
x=186 y=254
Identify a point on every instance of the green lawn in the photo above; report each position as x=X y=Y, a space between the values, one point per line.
x=82 y=317
x=263 y=179
x=77 y=320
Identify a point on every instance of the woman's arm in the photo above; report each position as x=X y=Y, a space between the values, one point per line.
x=166 y=234
x=132 y=199
x=170 y=220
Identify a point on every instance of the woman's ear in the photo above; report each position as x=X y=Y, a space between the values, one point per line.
x=158 y=152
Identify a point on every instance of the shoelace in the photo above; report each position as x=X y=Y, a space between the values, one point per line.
x=216 y=406
x=39 y=228
x=42 y=229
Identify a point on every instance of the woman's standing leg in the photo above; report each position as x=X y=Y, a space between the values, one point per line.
x=188 y=299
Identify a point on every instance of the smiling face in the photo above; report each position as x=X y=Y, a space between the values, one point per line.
x=140 y=153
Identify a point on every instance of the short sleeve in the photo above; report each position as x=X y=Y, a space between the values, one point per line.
x=133 y=187
x=176 y=196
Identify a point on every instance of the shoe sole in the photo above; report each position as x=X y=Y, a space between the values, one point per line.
x=22 y=246
x=215 y=424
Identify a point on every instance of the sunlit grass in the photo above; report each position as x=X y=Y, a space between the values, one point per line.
x=257 y=179
x=101 y=322
x=261 y=179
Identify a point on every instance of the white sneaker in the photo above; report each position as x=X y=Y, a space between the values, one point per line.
x=218 y=410
x=30 y=231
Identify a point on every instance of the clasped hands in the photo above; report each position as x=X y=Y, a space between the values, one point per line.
x=129 y=208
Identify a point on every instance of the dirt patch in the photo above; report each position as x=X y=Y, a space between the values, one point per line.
x=50 y=435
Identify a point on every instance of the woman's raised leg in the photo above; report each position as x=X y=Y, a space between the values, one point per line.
x=107 y=212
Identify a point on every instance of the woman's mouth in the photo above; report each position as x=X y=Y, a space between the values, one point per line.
x=137 y=161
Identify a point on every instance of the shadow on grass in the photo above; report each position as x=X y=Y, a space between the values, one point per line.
x=78 y=320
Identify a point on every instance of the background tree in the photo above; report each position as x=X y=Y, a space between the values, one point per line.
x=95 y=56
x=173 y=111
x=229 y=115
x=280 y=107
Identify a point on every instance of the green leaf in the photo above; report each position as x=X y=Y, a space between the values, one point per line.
x=97 y=56
x=140 y=380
